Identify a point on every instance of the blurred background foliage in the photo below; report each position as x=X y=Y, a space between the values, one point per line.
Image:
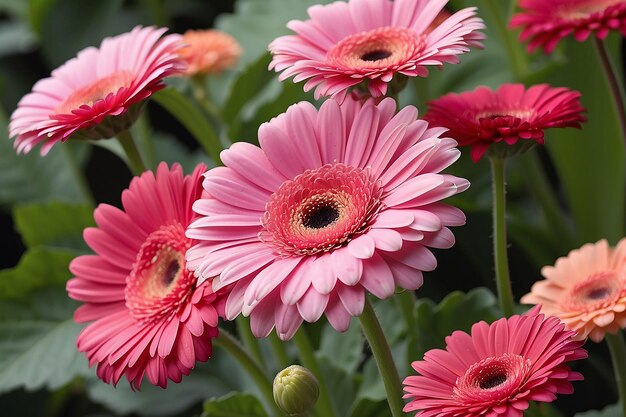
x=560 y=196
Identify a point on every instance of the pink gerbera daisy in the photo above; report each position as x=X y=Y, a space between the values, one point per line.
x=586 y=290
x=97 y=94
x=150 y=317
x=545 y=23
x=483 y=117
x=334 y=202
x=496 y=370
x=344 y=44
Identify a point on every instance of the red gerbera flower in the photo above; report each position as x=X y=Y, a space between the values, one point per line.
x=545 y=23
x=483 y=117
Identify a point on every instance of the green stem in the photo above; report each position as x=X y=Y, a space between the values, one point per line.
x=78 y=174
x=323 y=406
x=503 y=280
x=615 y=85
x=279 y=350
x=249 y=341
x=228 y=342
x=134 y=159
x=618 y=356
x=146 y=142
x=539 y=186
x=517 y=58
x=382 y=353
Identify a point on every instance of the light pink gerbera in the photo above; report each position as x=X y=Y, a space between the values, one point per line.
x=97 y=94
x=344 y=44
x=334 y=202
x=545 y=23
x=483 y=117
x=586 y=290
x=150 y=317
x=496 y=370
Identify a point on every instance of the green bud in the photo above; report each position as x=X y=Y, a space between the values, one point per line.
x=296 y=390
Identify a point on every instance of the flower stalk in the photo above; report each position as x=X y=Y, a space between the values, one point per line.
x=617 y=348
x=617 y=91
x=382 y=354
x=231 y=345
x=501 y=260
x=135 y=163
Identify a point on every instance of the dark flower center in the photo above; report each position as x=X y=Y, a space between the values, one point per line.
x=171 y=271
x=376 y=55
x=599 y=293
x=320 y=217
x=493 y=381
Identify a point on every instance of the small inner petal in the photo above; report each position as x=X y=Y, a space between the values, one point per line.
x=378 y=49
x=599 y=290
x=320 y=209
x=97 y=90
x=159 y=282
x=493 y=379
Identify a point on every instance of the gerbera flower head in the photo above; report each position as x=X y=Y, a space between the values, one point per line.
x=150 y=317
x=97 y=94
x=586 y=290
x=512 y=114
x=496 y=370
x=371 y=41
x=209 y=51
x=334 y=203
x=545 y=23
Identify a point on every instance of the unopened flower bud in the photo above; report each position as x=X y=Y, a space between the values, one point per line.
x=296 y=390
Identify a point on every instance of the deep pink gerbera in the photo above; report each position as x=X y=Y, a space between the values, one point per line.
x=344 y=44
x=99 y=93
x=482 y=117
x=150 y=317
x=496 y=370
x=334 y=202
x=545 y=23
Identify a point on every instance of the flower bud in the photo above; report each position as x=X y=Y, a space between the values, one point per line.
x=296 y=390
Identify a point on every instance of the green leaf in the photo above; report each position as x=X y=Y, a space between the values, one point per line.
x=591 y=162
x=342 y=350
x=15 y=37
x=171 y=150
x=192 y=119
x=37 y=342
x=87 y=22
x=247 y=85
x=614 y=410
x=366 y=407
x=458 y=311
x=53 y=224
x=218 y=376
x=234 y=405
x=341 y=386
x=32 y=178
x=38 y=268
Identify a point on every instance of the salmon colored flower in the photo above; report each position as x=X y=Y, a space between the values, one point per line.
x=496 y=370
x=586 y=290
x=150 y=318
x=512 y=113
x=545 y=23
x=209 y=51
x=371 y=41
x=334 y=203
x=97 y=94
